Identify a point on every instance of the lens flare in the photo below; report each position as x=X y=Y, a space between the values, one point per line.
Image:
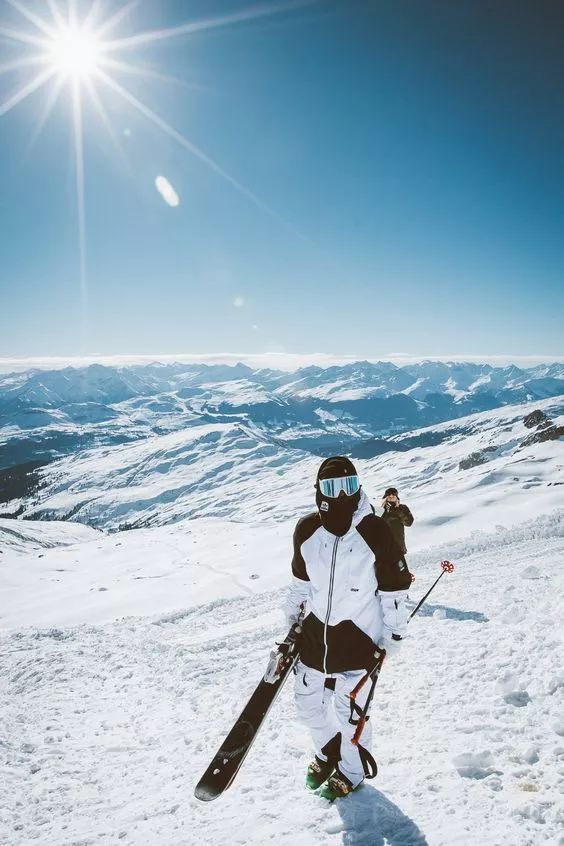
x=80 y=55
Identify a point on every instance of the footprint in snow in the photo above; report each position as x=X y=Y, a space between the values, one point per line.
x=512 y=690
x=531 y=572
x=476 y=765
x=518 y=698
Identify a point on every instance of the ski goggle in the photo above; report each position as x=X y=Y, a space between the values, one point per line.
x=333 y=487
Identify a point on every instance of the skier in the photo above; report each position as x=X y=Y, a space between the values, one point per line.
x=351 y=580
x=397 y=516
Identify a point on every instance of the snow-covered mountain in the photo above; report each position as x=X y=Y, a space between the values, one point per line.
x=231 y=470
x=355 y=408
x=125 y=656
x=358 y=380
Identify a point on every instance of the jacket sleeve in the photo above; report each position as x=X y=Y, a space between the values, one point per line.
x=299 y=591
x=394 y=613
x=392 y=574
x=406 y=516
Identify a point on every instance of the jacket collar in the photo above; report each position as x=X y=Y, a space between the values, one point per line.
x=363 y=510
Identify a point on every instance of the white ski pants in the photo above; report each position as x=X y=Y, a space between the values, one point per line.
x=326 y=712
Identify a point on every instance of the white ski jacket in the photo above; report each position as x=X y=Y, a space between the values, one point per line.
x=354 y=589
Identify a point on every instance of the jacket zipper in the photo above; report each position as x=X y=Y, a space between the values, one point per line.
x=329 y=601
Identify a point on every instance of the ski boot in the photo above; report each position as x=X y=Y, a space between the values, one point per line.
x=318 y=772
x=337 y=787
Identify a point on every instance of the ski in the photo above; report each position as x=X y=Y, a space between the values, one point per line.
x=228 y=759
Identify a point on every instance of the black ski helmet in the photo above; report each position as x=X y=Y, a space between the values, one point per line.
x=336 y=513
x=336 y=467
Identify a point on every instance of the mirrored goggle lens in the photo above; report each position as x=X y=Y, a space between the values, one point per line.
x=333 y=487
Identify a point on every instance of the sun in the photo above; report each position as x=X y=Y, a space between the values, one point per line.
x=70 y=49
x=75 y=53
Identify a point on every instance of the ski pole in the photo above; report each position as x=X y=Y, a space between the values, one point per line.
x=364 y=713
x=446 y=567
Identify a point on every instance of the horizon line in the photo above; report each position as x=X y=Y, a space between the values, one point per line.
x=280 y=360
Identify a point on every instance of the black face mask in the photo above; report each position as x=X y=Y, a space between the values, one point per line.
x=337 y=512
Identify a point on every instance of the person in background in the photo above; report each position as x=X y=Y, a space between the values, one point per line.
x=397 y=516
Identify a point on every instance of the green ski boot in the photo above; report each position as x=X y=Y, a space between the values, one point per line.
x=337 y=787
x=318 y=772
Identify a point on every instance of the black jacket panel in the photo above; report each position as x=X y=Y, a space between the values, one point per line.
x=391 y=569
x=303 y=531
x=348 y=648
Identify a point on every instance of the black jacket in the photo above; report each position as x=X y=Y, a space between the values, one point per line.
x=397 y=518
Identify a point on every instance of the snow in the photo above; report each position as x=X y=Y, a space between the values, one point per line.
x=414 y=387
x=450 y=388
x=49 y=415
x=126 y=655
x=26 y=537
x=137 y=572
x=107 y=727
x=236 y=392
x=226 y=469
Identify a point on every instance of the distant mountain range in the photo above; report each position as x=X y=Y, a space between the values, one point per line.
x=235 y=471
x=355 y=408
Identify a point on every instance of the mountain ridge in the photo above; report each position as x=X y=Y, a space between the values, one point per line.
x=352 y=408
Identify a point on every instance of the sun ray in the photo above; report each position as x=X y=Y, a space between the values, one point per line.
x=73 y=14
x=80 y=204
x=136 y=70
x=180 y=139
x=252 y=13
x=27 y=61
x=45 y=112
x=24 y=92
x=88 y=22
x=23 y=37
x=32 y=18
x=115 y=19
x=103 y=115
x=58 y=19
x=78 y=57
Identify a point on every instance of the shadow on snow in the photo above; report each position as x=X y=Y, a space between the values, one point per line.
x=427 y=610
x=370 y=819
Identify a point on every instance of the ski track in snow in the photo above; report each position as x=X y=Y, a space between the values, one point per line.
x=106 y=729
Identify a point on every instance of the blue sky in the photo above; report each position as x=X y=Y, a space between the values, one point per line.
x=406 y=158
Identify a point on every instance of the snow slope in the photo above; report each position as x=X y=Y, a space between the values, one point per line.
x=25 y=537
x=166 y=570
x=106 y=728
x=45 y=414
x=235 y=472
x=124 y=657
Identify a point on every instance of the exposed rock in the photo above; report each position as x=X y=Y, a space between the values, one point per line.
x=552 y=433
x=537 y=418
x=476 y=458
